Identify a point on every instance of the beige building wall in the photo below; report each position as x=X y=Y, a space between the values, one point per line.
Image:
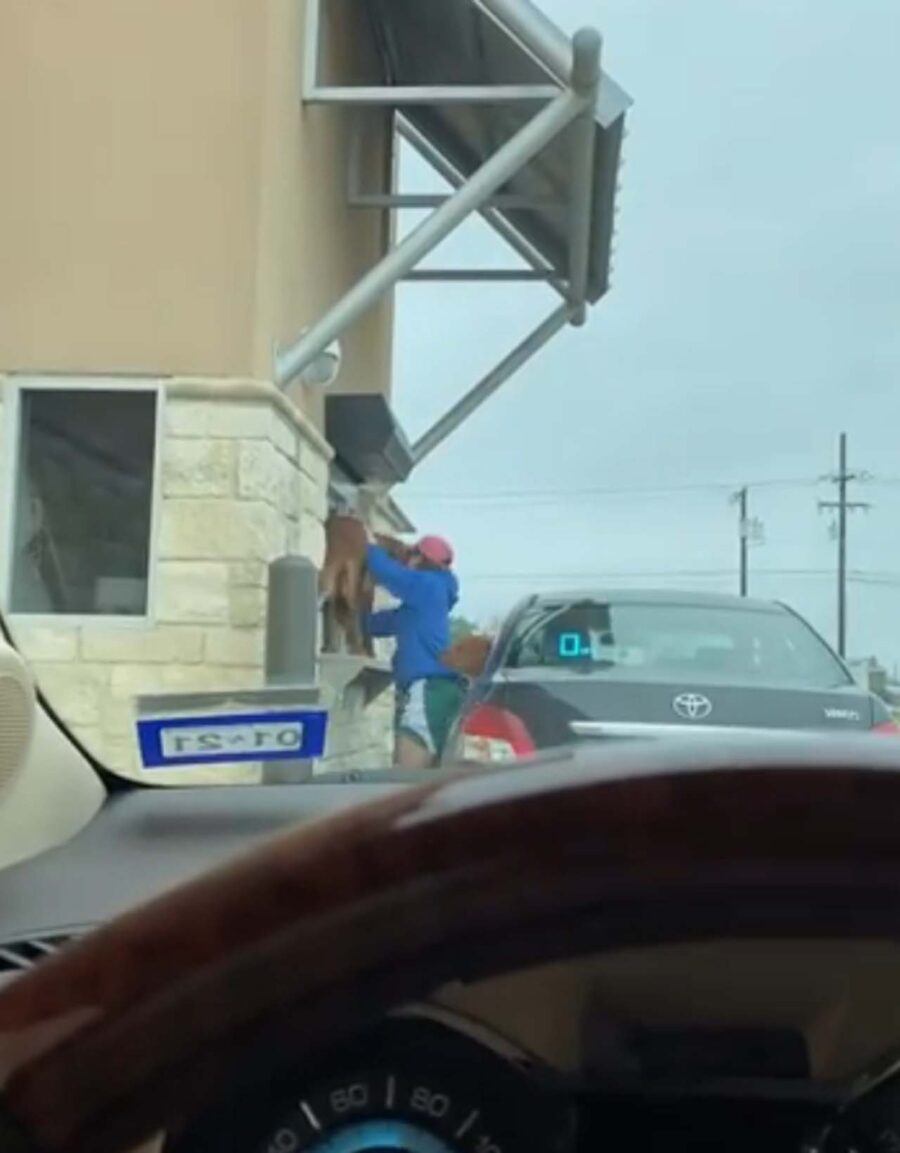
x=168 y=205
x=169 y=209
x=304 y=173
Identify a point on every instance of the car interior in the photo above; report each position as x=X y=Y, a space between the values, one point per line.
x=691 y=949
x=646 y=896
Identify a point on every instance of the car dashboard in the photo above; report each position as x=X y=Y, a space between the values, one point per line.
x=741 y=1045
x=784 y=1041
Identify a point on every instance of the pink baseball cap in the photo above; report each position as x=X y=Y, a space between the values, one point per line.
x=436 y=549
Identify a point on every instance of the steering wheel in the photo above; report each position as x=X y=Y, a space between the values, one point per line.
x=318 y=933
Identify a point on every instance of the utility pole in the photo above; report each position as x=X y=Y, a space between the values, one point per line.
x=842 y=506
x=749 y=531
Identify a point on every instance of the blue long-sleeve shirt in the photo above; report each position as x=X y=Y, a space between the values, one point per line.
x=421 y=622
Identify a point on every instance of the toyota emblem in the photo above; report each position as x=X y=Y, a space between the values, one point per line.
x=692 y=706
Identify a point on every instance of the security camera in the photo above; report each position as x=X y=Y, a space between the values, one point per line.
x=325 y=369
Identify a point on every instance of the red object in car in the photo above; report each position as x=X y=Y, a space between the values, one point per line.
x=889 y=728
x=493 y=734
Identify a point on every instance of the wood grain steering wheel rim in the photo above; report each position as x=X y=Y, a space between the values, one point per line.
x=320 y=931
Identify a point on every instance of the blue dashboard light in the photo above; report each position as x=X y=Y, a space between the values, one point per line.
x=368 y=1136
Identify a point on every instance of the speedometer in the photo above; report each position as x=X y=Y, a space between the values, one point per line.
x=415 y=1086
x=366 y=1110
x=420 y=1089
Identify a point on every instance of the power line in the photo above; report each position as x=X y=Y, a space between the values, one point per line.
x=642 y=574
x=728 y=486
x=875 y=582
x=519 y=495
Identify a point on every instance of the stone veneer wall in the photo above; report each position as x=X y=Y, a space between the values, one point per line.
x=244 y=479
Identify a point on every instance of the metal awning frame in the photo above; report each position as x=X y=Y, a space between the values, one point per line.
x=489 y=211
x=569 y=98
x=360 y=198
x=536 y=40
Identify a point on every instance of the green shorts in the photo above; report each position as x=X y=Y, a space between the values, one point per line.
x=427 y=709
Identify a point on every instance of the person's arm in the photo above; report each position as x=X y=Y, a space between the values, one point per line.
x=400 y=581
x=381 y=624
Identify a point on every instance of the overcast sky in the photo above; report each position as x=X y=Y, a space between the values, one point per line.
x=754 y=314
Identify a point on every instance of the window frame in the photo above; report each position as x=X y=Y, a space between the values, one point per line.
x=15 y=386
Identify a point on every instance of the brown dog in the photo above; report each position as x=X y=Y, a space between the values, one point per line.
x=344 y=585
x=469 y=655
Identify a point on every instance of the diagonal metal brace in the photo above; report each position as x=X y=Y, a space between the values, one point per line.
x=553 y=119
x=488 y=385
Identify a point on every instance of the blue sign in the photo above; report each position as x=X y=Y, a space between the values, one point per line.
x=231 y=738
x=573 y=646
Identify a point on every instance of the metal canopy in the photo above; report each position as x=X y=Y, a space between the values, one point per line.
x=524 y=126
x=447 y=43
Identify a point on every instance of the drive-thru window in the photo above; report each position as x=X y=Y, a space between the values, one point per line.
x=83 y=481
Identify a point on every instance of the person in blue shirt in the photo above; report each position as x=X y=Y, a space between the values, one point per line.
x=429 y=694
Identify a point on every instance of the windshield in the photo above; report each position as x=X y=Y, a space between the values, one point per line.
x=315 y=398
x=646 y=640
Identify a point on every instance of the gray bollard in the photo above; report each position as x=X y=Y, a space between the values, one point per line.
x=292 y=627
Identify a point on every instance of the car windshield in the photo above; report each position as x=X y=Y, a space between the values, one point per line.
x=339 y=340
x=698 y=642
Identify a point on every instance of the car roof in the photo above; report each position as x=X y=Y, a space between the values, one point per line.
x=660 y=597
